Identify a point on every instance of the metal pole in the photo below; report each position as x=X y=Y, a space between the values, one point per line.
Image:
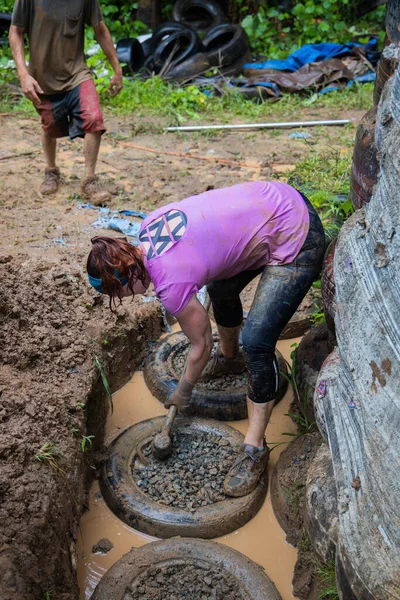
x=259 y=125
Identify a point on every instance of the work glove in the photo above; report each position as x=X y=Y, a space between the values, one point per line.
x=181 y=396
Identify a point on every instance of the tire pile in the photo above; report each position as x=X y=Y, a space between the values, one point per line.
x=196 y=40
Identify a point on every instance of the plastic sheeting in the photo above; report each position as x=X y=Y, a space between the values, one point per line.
x=312 y=53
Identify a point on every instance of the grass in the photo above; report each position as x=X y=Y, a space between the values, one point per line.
x=327 y=582
x=104 y=379
x=160 y=101
x=50 y=454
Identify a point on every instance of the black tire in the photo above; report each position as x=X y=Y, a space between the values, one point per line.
x=5 y=22
x=148 y=48
x=165 y=30
x=136 y=508
x=130 y=52
x=200 y=15
x=225 y=404
x=236 y=67
x=177 y=48
x=225 y=44
x=189 y=69
x=253 y=583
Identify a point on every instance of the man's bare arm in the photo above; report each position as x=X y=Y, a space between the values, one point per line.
x=103 y=37
x=30 y=86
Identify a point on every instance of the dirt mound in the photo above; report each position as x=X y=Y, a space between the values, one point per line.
x=52 y=396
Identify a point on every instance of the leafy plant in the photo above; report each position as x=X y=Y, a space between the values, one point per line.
x=304 y=425
x=50 y=454
x=86 y=442
x=275 y=33
x=97 y=364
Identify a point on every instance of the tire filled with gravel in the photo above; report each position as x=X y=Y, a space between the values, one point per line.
x=192 y=477
x=222 y=398
x=182 y=495
x=175 y=582
x=185 y=569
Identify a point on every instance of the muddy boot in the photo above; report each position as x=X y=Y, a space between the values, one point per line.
x=51 y=182
x=246 y=471
x=93 y=190
x=219 y=365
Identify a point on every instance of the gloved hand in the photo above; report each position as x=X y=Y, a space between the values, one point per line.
x=181 y=396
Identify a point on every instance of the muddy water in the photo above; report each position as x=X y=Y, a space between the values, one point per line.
x=261 y=539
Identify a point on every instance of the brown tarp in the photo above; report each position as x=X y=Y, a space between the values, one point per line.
x=317 y=75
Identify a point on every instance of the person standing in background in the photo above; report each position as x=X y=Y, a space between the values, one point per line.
x=58 y=81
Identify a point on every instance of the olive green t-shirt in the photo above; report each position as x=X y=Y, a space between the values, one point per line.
x=55 y=30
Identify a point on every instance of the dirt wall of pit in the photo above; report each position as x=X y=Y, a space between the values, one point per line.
x=51 y=393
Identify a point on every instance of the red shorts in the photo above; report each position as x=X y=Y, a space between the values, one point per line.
x=72 y=113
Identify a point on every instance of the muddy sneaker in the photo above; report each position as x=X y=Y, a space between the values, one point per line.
x=246 y=471
x=51 y=182
x=93 y=190
x=219 y=365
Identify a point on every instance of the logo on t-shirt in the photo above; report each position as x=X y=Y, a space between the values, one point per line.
x=163 y=233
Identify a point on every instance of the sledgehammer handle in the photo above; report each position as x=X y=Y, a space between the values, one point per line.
x=170 y=418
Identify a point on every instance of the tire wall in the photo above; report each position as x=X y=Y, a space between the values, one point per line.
x=359 y=413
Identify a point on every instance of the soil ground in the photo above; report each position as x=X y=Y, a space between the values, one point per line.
x=53 y=324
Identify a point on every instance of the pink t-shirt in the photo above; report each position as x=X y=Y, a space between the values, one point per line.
x=222 y=232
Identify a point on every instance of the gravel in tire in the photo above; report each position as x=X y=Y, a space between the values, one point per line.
x=175 y=582
x=191 y=503
x=192 y=477
x=222 y=398
x=185 y=569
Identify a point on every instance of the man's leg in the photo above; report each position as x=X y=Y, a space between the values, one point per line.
x=91 y=150
x=54 y=124
x=49 y=145
x=87 y=122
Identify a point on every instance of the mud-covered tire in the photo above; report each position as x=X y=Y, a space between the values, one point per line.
x=138 y=510
x=225 y=44
x=385 y=70
x=365 y=164
x=228 y=404
x=254 y=584
x=298 y=324
x=177 y=48
x=200 y=15
x=310 y=355
x=321 y=520
x=130 y=53
x=328 y=286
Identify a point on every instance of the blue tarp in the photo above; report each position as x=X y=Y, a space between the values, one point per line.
x=316 y=53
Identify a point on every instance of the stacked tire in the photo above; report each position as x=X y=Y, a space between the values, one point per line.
x=5 y=22
x=175 y=50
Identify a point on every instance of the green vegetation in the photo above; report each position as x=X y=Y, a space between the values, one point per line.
x=104 y=379
x=87 y=441
x=50 y=454
x=327 y=582
x=275 y=33
x=272 y=32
